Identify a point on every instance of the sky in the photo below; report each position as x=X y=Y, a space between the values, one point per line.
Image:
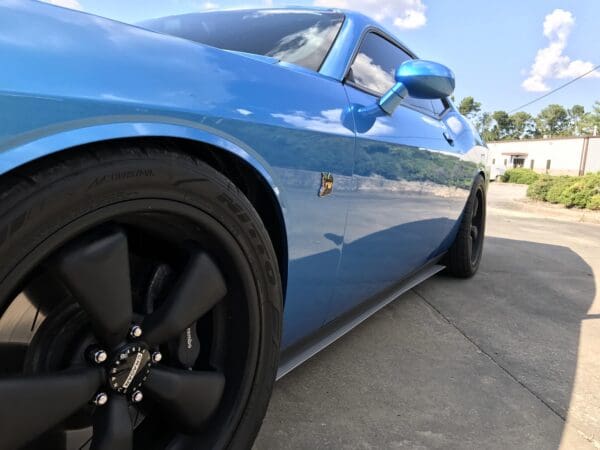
x=504 y=53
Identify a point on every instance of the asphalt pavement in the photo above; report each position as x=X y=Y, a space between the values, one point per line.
x=507 y=359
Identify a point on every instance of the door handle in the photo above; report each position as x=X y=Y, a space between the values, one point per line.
x=448 y=138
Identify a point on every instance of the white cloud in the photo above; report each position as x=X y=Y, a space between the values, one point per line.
x=299 y=48
x=209 y=5
x=367 y=73
x=72 y=4
x=232 y=5
x=328 y=121
x=405 y=14
x=412 y=18
x=551 y=62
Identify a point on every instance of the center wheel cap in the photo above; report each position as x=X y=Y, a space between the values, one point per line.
x=129 y=368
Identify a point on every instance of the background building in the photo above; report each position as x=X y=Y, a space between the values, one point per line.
x=558 y=156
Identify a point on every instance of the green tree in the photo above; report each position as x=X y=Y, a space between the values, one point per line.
x=553 y=120
x=576 y=116
x=484 y=126
x=590 y=123
x=523 y=125
x=504 y=127
x=469 y=107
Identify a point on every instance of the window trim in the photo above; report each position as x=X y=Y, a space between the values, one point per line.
x=382 y=34
x=379 y=32
x=337 y=35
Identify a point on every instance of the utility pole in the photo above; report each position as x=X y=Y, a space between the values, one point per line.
x=584 y=156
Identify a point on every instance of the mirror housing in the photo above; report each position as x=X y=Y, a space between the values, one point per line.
x=419 y=79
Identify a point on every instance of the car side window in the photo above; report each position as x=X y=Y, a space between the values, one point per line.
x=374 y=67
x=297 y=37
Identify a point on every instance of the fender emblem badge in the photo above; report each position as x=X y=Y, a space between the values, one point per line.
x=326 y=184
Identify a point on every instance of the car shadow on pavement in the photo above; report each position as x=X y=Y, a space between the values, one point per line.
x=483 y=363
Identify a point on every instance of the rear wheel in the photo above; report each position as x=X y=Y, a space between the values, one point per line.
x=464 y=256
x=140 y=305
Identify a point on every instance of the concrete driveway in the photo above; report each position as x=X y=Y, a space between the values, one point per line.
x=508 y=359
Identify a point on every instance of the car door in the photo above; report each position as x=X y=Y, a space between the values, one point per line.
x=299 y=134
x=409 y=185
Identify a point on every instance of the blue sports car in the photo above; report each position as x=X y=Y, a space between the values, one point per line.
x=193 y=206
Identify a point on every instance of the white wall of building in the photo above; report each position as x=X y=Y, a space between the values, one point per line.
x=562 y=155
x=593 y=156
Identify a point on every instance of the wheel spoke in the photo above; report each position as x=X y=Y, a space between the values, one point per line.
x=113 y=429
x=190 y=398
x=31 y=405
x=96 y=270
x=475 y=207
x=474 y=232
x=199 y=289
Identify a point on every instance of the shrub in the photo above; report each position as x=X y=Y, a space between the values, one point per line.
x=539 y=189
x=580 y=193
x=521 y=176
x=594 y=202
x=592 y=183
x=575 y=195
x=559 y=185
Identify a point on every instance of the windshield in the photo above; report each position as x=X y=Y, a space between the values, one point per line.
x=298 y=37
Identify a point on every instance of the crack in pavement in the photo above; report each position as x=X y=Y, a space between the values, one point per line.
x=497 y=363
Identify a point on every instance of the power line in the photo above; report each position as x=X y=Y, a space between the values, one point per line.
x=554 y=90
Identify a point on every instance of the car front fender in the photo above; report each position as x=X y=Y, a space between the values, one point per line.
x=32 y=146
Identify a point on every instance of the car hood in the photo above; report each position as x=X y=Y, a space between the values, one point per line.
x=52 y=51
x=64 y=69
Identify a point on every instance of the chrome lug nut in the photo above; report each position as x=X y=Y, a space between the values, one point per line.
x=101 y=399
x=99 y=356
x=137 y=397
x=156 y=357
x=135 y=331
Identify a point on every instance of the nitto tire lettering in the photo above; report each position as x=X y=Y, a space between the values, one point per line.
x=121 y=176
x=243 y=217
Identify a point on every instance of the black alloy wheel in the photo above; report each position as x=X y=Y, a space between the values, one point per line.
x=464 y=256
x=477 y=231
x=136 y=313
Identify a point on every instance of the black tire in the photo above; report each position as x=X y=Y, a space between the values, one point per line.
x=170 y=207
x=464 y=256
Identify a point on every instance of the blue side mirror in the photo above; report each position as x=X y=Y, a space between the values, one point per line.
x=419 y=79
